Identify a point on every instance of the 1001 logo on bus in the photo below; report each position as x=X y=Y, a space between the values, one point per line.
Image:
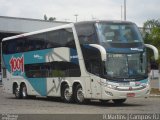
x=17 y=64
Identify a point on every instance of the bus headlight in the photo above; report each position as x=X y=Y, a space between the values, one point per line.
x=111 y=86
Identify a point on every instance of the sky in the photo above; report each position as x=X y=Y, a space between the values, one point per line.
x=138 y=11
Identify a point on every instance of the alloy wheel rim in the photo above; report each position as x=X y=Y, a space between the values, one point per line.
x=66 y=94
x=80 y=95
x=17 y=92
x=24 y=93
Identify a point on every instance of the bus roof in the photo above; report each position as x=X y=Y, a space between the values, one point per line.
x=64 y=26
x=105 y=21
x=37 y=32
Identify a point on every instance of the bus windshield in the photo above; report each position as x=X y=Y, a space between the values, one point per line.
x=118 y=33
x=129 y=66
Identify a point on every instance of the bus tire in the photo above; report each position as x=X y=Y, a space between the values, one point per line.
x=23 y=91
x=78 y=94
x=65 y=95
x=119 y=101
x=17 y=92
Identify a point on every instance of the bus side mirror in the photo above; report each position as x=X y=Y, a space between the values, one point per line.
x=101 y=49
x=155 y=50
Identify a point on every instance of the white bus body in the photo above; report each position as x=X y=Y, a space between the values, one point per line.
x=66 y=62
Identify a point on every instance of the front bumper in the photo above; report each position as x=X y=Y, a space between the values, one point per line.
x=124 y=93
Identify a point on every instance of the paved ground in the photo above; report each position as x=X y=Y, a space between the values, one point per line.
x=155 y=83
x=8 y=104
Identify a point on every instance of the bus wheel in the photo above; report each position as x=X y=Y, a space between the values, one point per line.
x=17 y=92
x=78 y=94
x=119 y=101
x=65 y=94
x=23 y=91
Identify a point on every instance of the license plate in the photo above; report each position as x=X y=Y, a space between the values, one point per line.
x=130 y=94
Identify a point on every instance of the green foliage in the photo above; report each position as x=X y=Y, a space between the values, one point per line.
x=154 y=38
x=52 y=19
x=151 y=24
x=58 y=73
x=45 y=17
x=151 y=29
x=49 y=19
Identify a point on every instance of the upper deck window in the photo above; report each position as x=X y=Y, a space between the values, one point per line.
x=86 y=34
x=45 y=40
x=118 y=32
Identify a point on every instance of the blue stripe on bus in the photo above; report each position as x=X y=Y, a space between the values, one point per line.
x=117 y=50
x=36 y=56
x=144 y=81
x=30 y=57
x=33 y=57
x=39 y=85
x=74 y=56
x=122 y=50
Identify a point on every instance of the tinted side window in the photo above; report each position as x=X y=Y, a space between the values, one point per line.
x=23 y=44
x=92 y=59
x=60 y=38
x=53 y=69
x=5 y=49
x=51 y=39
x=19 y=45
x=13 y=46
x=87 y=34
x=35 y=42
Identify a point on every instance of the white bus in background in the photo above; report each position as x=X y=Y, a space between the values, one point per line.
x=104 y=60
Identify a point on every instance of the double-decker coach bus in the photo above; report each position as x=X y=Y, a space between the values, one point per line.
x=104 y=60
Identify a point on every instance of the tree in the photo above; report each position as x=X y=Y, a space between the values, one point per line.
x=151 y=29
x=49 y=19
x=149 y=24
x=45 y=17
x=154 y=38
x=52 y=19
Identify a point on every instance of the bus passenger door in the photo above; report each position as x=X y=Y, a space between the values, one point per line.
x=95 y=86
x=95 y=79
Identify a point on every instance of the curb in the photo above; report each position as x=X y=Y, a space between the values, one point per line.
x=154 y=95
